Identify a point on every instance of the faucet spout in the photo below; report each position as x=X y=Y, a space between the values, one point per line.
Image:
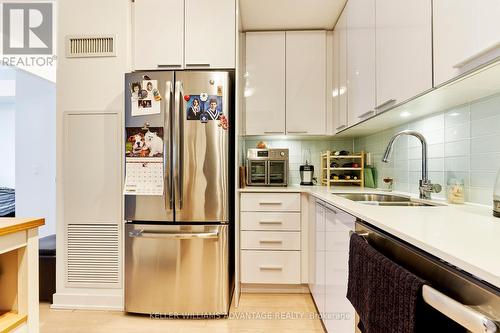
x=426 y=187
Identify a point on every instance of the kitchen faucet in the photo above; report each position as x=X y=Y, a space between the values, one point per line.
x=426 y=187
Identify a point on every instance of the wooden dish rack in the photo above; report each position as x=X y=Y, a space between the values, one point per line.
x=326 y=170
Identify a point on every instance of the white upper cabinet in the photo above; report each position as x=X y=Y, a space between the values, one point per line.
x=210 y=33
x=361 y=60
x=265 y=83
x=404 y=50
x=339 y=69
x=306 y=82
x=466 y=34
x=158 y=34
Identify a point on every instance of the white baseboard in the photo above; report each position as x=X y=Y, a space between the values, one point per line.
x=87 y=302
x=275 y=288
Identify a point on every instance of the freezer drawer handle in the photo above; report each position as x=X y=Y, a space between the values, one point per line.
x=173 y=235
x=270 y=222
x=270 y=268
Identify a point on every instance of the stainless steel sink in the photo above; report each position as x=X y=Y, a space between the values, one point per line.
x=384 y=200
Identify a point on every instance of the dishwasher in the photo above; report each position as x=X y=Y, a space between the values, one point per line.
x=470 y=302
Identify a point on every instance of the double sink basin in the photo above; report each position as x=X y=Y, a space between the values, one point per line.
x=384 y=200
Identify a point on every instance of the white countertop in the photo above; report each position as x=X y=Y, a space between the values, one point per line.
x=467 y=236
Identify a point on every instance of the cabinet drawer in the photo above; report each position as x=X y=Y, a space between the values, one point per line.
x=270 y=221
x=258 y=202
x=270 y=240
x=278 y=267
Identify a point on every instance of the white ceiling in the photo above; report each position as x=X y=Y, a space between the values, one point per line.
x=289 y=14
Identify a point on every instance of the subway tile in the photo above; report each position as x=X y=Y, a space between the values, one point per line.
x=481 y=195
x=435 y=177
x=457 y=132
x=485 y=162
x=485 y=126
x=431 y=137
x=457 y=148
x=457 y=164
x=433 y=164
x=482 y=179
x=401 y=164
x=434 y=122
x=295 y=158
x=456 y=116
x=433 y=151
x=485 y=144
x=403 y=187
x=401 y=176
x=485 y=108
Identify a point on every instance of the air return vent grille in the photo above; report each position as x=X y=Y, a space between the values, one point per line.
x=93 y=255
x=90 y=46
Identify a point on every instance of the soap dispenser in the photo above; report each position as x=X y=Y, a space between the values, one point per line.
x=496 y=196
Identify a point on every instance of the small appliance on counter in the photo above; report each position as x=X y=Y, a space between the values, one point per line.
x=306 y=170
x=267 y=167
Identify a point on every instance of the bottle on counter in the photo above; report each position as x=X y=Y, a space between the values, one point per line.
x=496 y=197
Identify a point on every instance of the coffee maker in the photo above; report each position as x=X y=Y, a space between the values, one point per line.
x=306 y=170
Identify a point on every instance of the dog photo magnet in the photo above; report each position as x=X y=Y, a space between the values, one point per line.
x=144 y=142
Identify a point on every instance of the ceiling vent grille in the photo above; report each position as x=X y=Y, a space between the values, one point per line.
x=93 y=255
x=90 y=46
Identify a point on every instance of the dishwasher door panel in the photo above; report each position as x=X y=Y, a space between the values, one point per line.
x=176 y=269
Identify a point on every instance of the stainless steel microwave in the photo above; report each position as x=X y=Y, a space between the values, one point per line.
x=267 y=167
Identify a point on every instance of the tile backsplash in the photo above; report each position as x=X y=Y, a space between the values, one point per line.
x=297 y=148
x=463 y=143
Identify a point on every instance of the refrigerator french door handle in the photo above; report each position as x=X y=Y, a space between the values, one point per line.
x=179 y=140
x=167 y=178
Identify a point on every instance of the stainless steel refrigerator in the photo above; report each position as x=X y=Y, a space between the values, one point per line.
x=177 y=241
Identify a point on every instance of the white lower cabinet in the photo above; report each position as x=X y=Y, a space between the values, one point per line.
x=319 y=282
x=270 y=238
x=270 y=267
x=339 y=311
x=332 y=233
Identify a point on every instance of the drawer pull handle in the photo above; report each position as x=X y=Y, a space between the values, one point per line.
x=270 y=222
x=477 y=55
x=271 y=268
x=271 y=241
x=197 y=65
x=386 y=103
x=270 y=203
x=169 y=66
x=366 y=114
